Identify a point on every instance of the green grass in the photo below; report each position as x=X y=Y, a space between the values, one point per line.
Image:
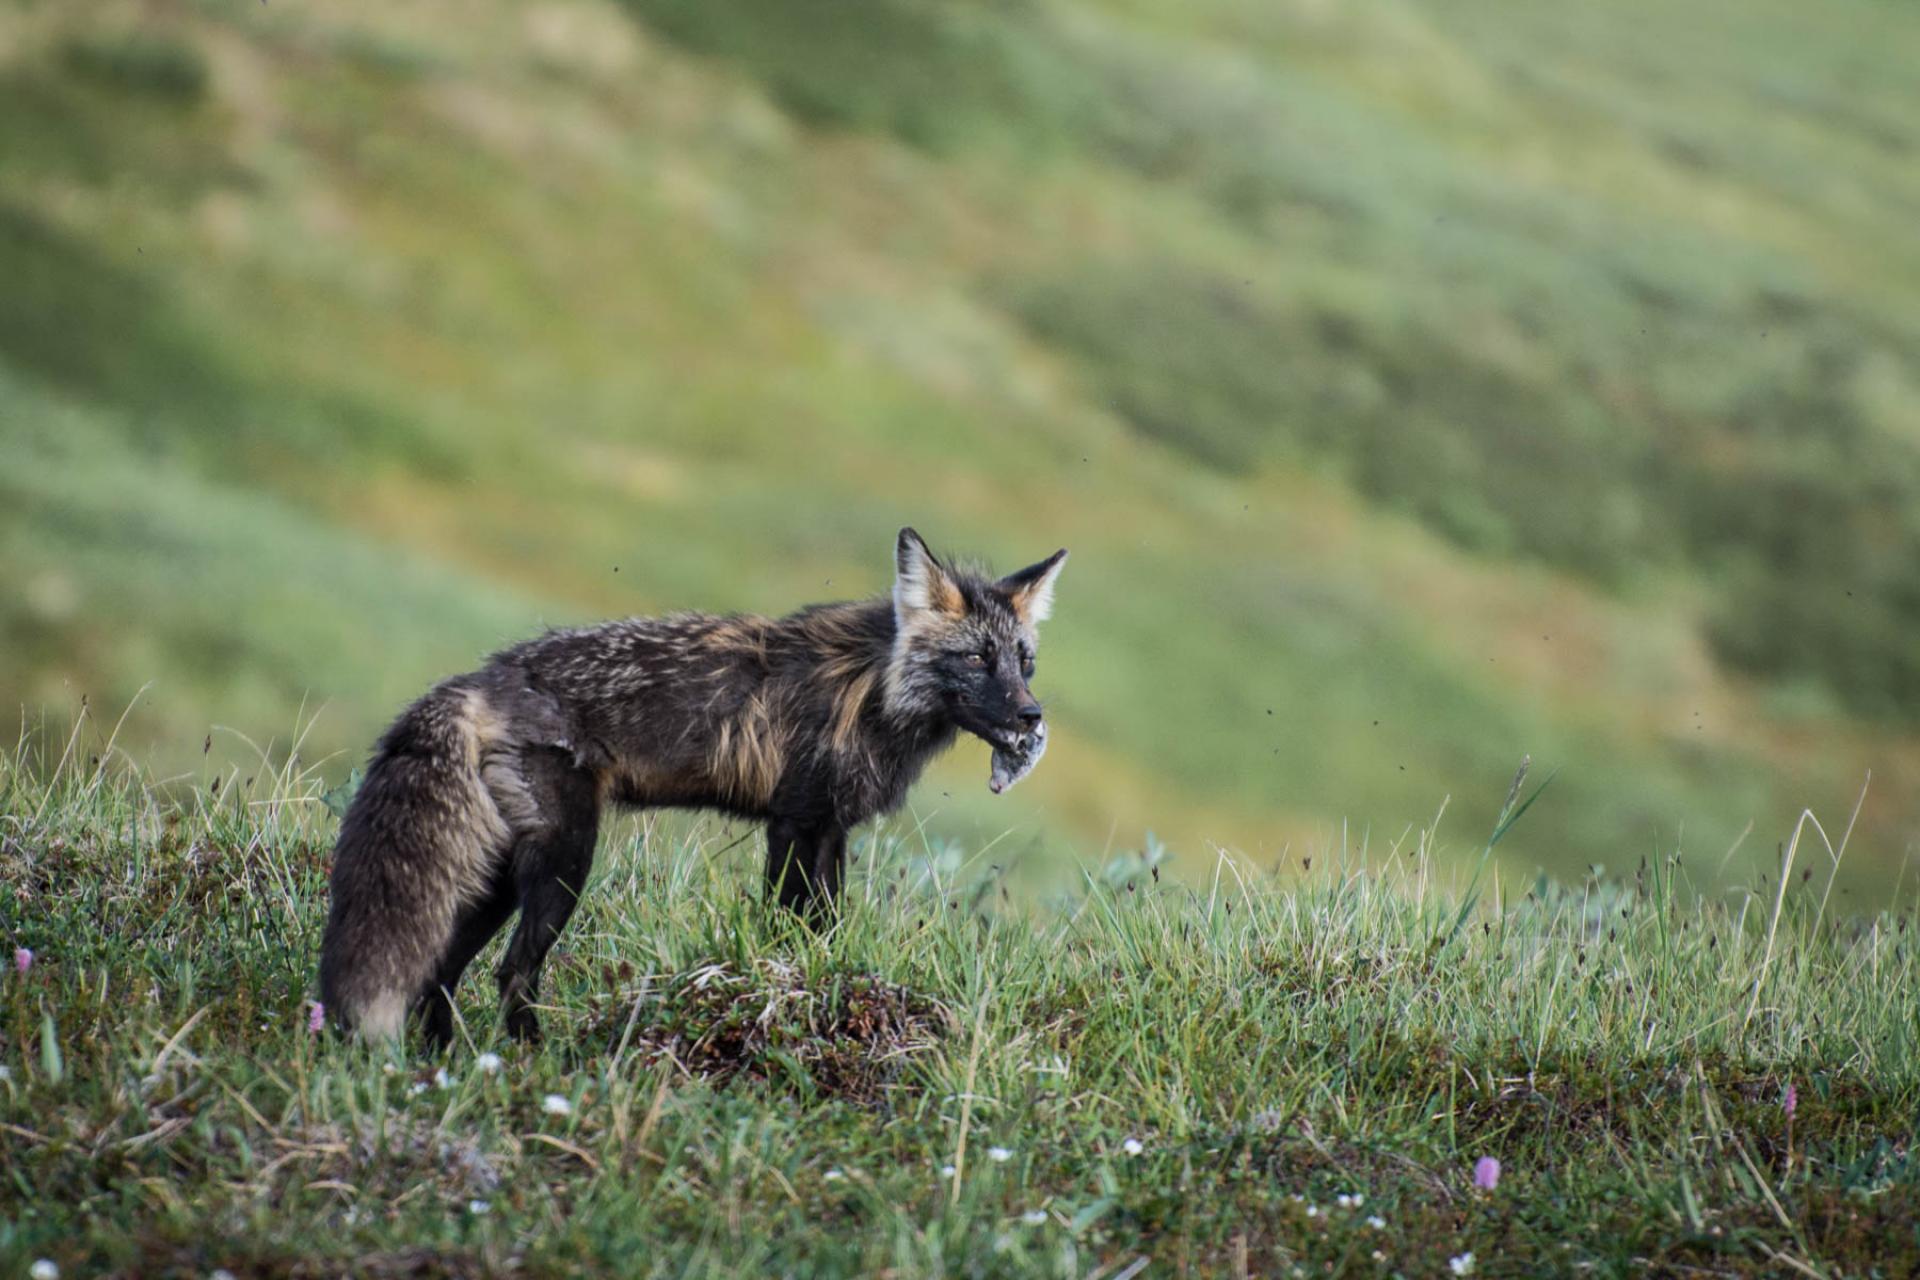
x=1127 y=1070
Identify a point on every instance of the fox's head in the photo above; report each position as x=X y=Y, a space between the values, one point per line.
x=964 y=644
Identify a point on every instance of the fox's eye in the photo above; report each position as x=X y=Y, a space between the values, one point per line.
x=976 y=659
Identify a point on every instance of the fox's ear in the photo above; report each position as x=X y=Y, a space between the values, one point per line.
x=1031 y=589
x=920 y=585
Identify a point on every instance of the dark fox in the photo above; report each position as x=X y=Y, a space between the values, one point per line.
x=485 y=796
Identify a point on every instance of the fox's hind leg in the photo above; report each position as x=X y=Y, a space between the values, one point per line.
x=549 y=866
x=478 y=922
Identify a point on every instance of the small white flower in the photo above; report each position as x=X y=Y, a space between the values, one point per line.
x=999 y=1155
x=1353 y=1201
x=1313 y=1211
x=441 y=1079
x=488 y=1062
x=1462 y=1265
x=44 y=1270
x=1133 y=1146
x=1379 y=1256
x=417 y=1087
x=221 y=1274
x=1034 y=1217
x=1377 y=1222
x=833 y=1175
x=556 y=1105
x=946 y=1171
x=479 y=1208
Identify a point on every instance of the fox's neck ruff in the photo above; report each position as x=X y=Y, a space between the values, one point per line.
x=909 y=691
x=866 y=649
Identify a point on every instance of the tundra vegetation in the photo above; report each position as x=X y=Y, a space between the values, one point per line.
x=1355 y=1065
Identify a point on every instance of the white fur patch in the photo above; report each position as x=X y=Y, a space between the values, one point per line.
x=920 y=586
x=384 y=1017
x=1034 y=601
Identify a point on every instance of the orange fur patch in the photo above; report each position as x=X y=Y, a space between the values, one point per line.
x=944 y=596
x=748 y=756
x=846 y=708
x=746 y=634
x=481 y=726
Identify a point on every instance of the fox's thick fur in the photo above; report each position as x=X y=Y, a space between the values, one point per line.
x=484 y=797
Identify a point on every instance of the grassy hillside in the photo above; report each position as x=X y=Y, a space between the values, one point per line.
x=1142 y=1077
x=1417 y=387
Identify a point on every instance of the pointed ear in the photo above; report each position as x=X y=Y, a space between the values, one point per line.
x=920 y=585
x=1031 y=589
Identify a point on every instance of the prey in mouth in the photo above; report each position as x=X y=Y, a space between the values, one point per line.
x=1016 y=759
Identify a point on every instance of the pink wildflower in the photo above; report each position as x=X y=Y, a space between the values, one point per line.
x=1486 y=1173
x=1792 y=1101
x=22 y=959
x=317 y=1019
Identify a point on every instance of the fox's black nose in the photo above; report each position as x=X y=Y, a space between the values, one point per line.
x=1031 y=715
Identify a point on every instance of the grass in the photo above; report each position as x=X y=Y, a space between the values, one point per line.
x=1128 y=1074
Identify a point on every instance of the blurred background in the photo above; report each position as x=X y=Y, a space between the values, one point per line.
x=1417 y=386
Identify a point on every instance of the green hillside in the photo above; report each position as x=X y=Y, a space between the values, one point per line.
x=1418 y=387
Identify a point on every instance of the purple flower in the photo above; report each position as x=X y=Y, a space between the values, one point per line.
x=1486 y=1173
x=22 y=959
x=1791 y=1102
x=317 y=1019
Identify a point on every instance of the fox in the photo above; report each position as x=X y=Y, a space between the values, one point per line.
x=484 y=797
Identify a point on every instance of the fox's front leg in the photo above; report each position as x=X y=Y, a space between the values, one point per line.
x=789 y=863
x=804 y=866
x=829 y=862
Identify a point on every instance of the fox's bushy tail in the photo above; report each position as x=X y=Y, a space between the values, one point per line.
x=422 y=838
